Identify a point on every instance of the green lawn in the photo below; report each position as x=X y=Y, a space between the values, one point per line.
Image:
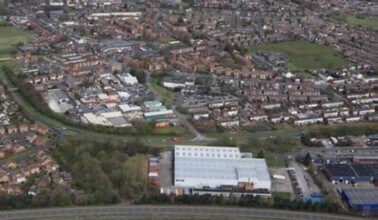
x=166 y=93
x=9 y=37
x=364 y=22
x=172 y=130
x=284 y=195
x=272 y=161
x=304 y=55
x=165 y=40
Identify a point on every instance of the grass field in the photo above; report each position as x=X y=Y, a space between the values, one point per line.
x=364 y=22
x=176 y=130
x=304 y=55
x=9 y=37
x=284 y=195
x=166 y=93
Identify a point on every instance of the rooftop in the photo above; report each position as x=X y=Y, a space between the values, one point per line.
x=362 y=196
x=220 y=163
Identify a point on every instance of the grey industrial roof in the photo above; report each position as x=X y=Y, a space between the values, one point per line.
x=118 y=121
x=362 y=196
x=340 y=170
x=366 y=169
x=191 y=166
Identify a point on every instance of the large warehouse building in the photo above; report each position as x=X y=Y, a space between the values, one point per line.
x=365 y=200
x=213 y=167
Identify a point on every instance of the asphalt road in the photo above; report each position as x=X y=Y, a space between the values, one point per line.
x=174 y=211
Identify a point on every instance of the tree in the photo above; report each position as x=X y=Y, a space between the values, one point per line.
x=260 y=154
x=139 y=74
x=307 y=159
x=180 y=21
x=63 y=199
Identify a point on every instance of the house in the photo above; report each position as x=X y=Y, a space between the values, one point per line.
x=276 y=119
x=12 y=165
x=18 y=148
x=352 y=119
x=259 y=118
x=334 y=120
x=331 y=113
x=229 y=123
x=32 y=170
x=20 y=178
x=4 y=177
x=33 y=127
x=2 y=130
x=308 y=121
x=31 y=137
x=50 y=167
x=42 y=129
x=12 y=129
x=367 y=111
x=23 y=127
x=200 y=115
x=2 y=154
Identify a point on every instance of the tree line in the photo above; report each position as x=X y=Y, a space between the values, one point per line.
x=342 y=130
x=243 y=201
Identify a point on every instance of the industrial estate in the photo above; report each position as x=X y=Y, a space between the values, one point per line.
x=187 y=109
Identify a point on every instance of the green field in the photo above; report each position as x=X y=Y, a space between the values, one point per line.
x=364 y=22
x=304 y=55
x=9 y=37
x=284 y=195
x=166 y=93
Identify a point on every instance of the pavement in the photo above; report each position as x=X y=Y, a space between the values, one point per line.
x=165 y=170
x=174 y=211
x=282 y=185
x=307 y=186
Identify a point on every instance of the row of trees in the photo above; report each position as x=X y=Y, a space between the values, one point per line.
x=342 y=130
x=243 y=201
x=276 y=144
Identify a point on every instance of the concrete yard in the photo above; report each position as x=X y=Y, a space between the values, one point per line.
x=281 y=185
x=166 y=170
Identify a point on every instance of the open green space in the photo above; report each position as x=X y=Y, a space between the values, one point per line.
x=171 y=130
x=284 y=195
x=364 y=22
x=304 y=55
x=168 y=95
x=165 y=40
x=9 y=37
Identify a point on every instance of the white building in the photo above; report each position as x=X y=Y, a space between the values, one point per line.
x=128 y=79
x=203 y=166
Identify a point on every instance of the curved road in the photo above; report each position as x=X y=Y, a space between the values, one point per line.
x=174 y=211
